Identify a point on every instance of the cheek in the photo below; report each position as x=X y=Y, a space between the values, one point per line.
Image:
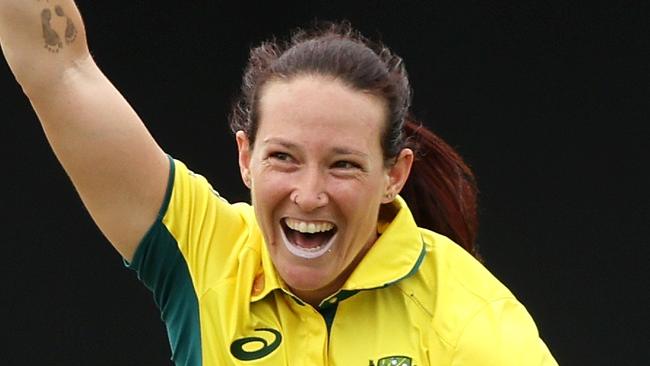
x=269 y=187
x=367 y=189
x=267 y=194
x=358 y=199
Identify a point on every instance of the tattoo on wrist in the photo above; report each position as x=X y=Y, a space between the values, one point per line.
x=51 y=31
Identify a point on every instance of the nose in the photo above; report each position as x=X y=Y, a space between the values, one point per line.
x=310 y=193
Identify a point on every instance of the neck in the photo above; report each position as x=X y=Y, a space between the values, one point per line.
x=315 y=297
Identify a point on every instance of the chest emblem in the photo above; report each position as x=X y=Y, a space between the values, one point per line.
x=392 y=361
x=256 y=347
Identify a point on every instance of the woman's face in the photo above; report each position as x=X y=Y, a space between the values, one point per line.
x=317 y=178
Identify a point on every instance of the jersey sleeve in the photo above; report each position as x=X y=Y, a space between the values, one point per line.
x=502 y=334
x=186 y=249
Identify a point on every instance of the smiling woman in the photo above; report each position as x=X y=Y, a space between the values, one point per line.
x=319 y=162
x=328 y=264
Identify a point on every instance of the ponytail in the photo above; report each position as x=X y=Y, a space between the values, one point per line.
x=441 y=190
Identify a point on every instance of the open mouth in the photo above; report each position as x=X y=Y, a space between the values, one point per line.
x=307 y=240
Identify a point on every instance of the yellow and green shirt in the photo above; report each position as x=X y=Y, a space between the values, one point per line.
x=415 y=299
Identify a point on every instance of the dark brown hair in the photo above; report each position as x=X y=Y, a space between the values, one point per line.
x=441 y=190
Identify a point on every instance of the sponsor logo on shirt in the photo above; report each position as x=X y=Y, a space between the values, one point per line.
x=256 y=347
x=392 y=361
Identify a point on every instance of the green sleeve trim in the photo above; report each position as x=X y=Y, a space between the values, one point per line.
x=161 y=267
x=170 y=188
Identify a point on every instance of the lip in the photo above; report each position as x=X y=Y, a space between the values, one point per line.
x=304 y=252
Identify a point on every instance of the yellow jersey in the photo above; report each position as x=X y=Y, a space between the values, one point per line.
x=415 y=299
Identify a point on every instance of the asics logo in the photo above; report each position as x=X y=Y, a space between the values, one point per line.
x=253 y=348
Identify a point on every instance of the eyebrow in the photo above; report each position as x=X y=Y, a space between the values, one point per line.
x=347 y=151
x=339 y=150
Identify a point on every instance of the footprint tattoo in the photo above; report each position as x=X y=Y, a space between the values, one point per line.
x=52 y=40
x=70 y=29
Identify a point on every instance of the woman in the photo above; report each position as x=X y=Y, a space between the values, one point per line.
x=328 y=265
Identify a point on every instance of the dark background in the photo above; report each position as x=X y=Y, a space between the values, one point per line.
x=547 y=101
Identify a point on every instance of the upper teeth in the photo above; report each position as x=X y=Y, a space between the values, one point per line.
x=308 y=227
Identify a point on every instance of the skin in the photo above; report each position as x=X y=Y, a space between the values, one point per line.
x=116 y=166
x=317 y=157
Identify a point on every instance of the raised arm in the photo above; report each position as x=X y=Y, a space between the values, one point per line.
x=114 y=163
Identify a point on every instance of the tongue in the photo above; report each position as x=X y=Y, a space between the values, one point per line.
x=308 y=241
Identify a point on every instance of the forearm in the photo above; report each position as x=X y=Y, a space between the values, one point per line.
x=41 y=39
x=115 y=164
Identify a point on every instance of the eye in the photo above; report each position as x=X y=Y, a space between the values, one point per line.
x=280 y=156
x=345 y=164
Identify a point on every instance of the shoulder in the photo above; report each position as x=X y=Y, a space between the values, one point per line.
x=457 y=269
x=476 y=315
x=197 y=226
x=191 y=199
x=454 y=286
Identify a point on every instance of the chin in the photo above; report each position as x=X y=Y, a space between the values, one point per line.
x=303 y=276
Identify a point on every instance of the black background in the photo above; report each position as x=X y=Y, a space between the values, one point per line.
x=547 y=101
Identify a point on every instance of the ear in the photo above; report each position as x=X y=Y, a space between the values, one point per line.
x=244 y=148
x=397 y=174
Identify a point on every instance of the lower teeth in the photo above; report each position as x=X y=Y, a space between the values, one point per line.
x=307 y=253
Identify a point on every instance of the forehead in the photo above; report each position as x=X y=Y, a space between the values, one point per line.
x=318 y=109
